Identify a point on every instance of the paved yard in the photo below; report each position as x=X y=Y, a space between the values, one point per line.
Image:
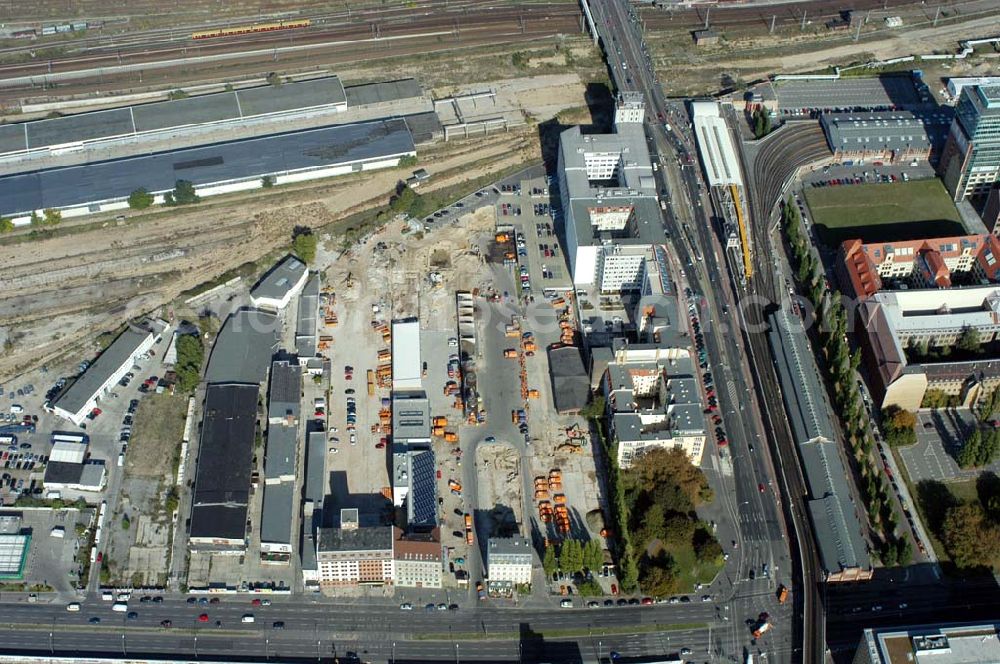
x=933 y=456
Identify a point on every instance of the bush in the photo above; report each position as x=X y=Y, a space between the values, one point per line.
x=267 y=181
x=409 y=161
x=140 y=199
x=6 y=225
x=183 y=194
x=190 y=354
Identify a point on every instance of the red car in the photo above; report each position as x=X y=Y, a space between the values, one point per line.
x=614 y=589
x=203 y=617
x=100 y=556
x=646 y=601
x=761 y=487
x=380 y=446
x=96 y=412
x=255 y=602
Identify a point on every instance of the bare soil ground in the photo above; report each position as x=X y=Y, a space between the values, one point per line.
x=156 y=436
x=87 y=276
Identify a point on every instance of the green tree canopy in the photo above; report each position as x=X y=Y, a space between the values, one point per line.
x=968 y=340
x=571 y=556
x=593 y=555
x=140 y=199
x=190 y=354
x=6 y=225
x=900 y=426
x=304 y=245
x=971 y=538
x=183 y=194
x=549 y=563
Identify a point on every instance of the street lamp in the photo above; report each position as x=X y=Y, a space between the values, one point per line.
x=456 y=654
x=393 y=652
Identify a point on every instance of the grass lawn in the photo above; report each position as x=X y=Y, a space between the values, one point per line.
x=691 y=570
x=883 y=212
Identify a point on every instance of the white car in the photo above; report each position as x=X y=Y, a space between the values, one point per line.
x=354 y=439
x=566 y=604
x=452 y=341
x=333 y=450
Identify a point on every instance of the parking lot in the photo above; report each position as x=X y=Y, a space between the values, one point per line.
x=50 y=558
x=939 y=438
x=530 y=208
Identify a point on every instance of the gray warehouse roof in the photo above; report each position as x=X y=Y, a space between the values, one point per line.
x=305 y=324
x=243 y=348
x=225 y=450
x=277 y=513
x=375 y=93
x=411 y=417
x=172 y=114
x=315 y=474
x=284 y=390
x=223 y=162
x=279 y=458
x=847 y=93
x=280 y=279
x=97 y=374
x=836 y=526
x=884 y=130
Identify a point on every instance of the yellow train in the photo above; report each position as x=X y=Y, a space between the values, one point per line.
x=250 y=29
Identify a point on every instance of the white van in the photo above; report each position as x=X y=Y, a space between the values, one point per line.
x=73 y=606
x=119 y=607
x=248 y=618
x=16 y=409
x=107 y=596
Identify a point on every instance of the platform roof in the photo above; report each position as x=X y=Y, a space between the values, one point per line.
x=325 y=147
x=715 y=145
x=219 y=107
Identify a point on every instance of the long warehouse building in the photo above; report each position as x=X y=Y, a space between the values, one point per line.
x=213 y=169
x=843 y=550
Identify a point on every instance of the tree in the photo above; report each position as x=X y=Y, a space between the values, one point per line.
x=140 y=199
x=659 y=575
x=661 y=468
x=593 y=556
x=549 y=563
x=968 y=340
x=594 y=409
x=571 y=556
x=304 y=244
x=407 y=161
x=589 y=588
x=126 y=522
x=706 y=547
x=190 y=354
x=900 y=426
x=6 y=225
x=678 y=529
x=904 y=550
x=267 y=181
x=274 y=78
x=183 y=194
x=971 y=451
x=989 y=406
x=629 y=572
x=971 y=539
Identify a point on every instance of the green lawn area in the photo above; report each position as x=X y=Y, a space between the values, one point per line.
x=691 y=571
x=883 y=212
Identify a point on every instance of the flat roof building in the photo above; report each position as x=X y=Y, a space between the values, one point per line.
x=353 y=555
x=88 y=476
x=306 y=319
x=406 y=366
x=411 y=418
x=930 y=644
x=243 y=348
x=855 y=93
x=219 y=168
x=970 y=162
x=14 y=555
x=570 y=383
x=222 y=483
x=284 y=399
x=76 y=401
x=654 y=402
x=279 y=285
x=313 y=495
x=609 y=199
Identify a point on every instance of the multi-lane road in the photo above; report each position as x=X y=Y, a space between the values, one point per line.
x=756 y=534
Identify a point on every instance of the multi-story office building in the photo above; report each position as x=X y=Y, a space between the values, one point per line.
x=354 y=555
x=509 y=559
x=609 y=200
x=970 y=162
x=941 y=644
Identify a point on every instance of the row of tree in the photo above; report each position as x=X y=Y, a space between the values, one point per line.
x=573 y=557
x=843 y=364
x=979 y=449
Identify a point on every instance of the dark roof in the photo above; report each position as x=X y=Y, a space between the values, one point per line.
x=243 y=348
x=315 y=488
x=373 y=93
x=236 y=160
x=281 y=278
x=305 y=323
x=377 y=538
x=277 y=513
x=178 y=113
x=62 y=472
x=225 y=451
x=282 y=448
x=219 y=521
x=284 y=390
x=570 y=382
